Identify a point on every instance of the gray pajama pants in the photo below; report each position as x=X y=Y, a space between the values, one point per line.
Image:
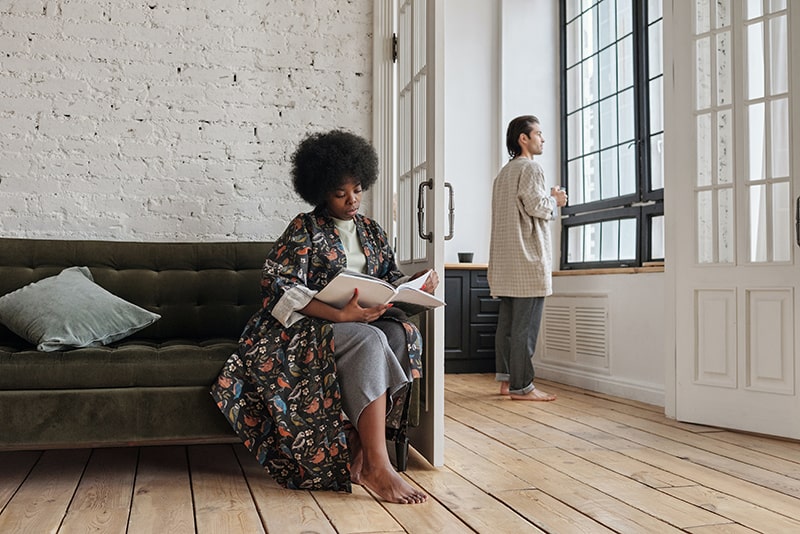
x=518 y=325
x=371 y=359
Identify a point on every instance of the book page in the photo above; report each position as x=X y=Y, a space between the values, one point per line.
x=374 y=291
x=371 y=291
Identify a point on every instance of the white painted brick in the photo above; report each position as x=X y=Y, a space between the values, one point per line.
x=17 y=125
x=72 y=29
x=136 y=14
x=12 y=7
x=133 y=149
x=181 y=121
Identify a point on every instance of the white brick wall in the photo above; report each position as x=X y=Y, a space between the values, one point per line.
x=170 y=119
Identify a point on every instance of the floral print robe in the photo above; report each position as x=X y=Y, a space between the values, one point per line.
x=280 y=391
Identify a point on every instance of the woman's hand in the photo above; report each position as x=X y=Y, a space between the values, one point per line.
x=354 y=313
x=431 y=283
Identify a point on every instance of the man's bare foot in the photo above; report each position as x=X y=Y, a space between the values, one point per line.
x=504 y=387
x=535 y=395
x=356 y=456
x=390 y=486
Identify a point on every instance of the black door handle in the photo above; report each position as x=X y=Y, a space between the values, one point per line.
x=797 y=223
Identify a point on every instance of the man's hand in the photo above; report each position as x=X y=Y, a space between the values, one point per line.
x=560 y=195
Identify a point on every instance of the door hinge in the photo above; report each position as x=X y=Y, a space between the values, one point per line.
x=394 y=48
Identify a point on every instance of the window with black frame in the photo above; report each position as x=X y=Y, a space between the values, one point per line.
x=612 y=133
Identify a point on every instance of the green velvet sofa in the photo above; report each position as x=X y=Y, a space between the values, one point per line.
x=151 y=387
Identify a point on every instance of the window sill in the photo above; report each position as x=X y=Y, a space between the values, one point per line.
x=652 y=267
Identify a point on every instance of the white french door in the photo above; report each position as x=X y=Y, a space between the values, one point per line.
x=412 y=138
x=731 y=144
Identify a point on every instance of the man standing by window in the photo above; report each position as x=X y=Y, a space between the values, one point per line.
x=520 y=257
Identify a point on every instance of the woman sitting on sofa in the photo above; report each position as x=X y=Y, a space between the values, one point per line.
x=301 y=362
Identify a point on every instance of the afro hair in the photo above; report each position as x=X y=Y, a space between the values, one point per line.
x=325 y=161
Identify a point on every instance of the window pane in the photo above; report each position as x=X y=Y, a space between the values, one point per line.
x=575 y=181
x=702 y=16
x=608 y=122
x=657 y=238
x=725 y=227
x=755 y=134
x=591 y=242
x=606 y=23
x=704 y=149
x=625 y=63
x=654 y=10
x=609 y=173
x=574 y=135
x=656 y=105
x=573 y=8
x=753 y=9
x=591 y=129
x=705 y=226
x=590 y=80
x=779 y=141
x=657 y=162
x=655 y=65
x=755 y=61
x=624 y=18
x=778 y=51
x=723 y=69
x=627 y=169
x=574 y=77
x=589 y=23
x=609 y=248
x=723 y=13
x=703 y=73
x=591 y=178
x=627 y=239
x=626 y=118
x=608 y=71
x=758 y=223
x=724 y=147
x=573 y=42
x=781 y=222
x=777 y=5
x=575 y=244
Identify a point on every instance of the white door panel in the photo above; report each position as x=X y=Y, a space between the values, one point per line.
x=732 y=183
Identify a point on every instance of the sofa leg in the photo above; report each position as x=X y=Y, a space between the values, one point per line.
x=401 y=453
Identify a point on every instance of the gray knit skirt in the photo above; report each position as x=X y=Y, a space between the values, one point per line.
x=371 y=359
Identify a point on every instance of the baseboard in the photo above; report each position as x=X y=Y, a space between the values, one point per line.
x=642 y=392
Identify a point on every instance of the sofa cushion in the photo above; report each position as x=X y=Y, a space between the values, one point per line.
x=70 y=310
x=134 y=363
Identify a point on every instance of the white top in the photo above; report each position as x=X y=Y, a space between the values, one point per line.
x=356 y=261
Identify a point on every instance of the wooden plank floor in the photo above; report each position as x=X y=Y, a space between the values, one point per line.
x=587 y=463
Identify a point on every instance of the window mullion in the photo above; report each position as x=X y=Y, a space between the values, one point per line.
x=640 y=72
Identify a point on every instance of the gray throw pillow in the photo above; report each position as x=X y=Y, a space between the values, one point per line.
x=69 y=310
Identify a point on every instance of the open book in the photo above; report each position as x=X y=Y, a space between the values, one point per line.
x=373 y=291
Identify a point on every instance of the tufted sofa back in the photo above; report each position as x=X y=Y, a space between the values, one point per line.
x=201 y=290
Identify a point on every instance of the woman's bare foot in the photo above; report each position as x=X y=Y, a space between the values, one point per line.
x=356 y=456
x=504 y=387
x=534 y=395
x=390 y=486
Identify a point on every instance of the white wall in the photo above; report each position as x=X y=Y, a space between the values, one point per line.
x=170 y=120
x=501 y=61
x=471 y=109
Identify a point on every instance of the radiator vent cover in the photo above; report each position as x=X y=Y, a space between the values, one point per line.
x=576 y=331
